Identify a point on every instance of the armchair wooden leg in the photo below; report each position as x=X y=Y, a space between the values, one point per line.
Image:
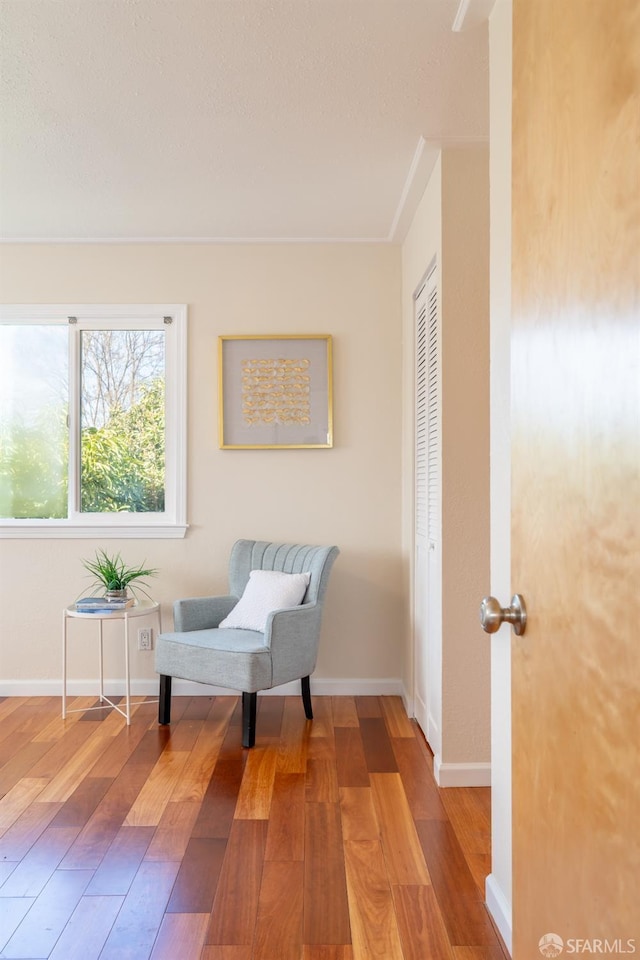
x=164 y=700
x=249 y=702
x=306 y=698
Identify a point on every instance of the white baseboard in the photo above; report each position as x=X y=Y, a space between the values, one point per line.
x=461 y=774
x=432 y=733
x=321 y=687
x=500 y=910
x=408 y=701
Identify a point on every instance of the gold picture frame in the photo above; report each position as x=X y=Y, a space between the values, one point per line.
x=275 y=392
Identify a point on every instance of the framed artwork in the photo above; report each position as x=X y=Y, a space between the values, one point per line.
x=275 y=392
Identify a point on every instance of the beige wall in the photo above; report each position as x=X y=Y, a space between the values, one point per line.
x=465 y=469
x=452 y=224
x=350 y=495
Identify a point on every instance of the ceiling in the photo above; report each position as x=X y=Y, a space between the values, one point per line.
x=232 y=119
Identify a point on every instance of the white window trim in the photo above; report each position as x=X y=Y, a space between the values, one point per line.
x=173 y=522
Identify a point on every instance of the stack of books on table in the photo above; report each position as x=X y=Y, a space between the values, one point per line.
x=103 y=604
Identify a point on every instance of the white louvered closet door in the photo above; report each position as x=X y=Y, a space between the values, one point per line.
x=428 y=553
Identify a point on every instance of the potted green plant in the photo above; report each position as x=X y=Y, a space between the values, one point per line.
x=114 y=576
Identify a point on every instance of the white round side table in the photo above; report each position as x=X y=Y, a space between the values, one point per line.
x=142 y=608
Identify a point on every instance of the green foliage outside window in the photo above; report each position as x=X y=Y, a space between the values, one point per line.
x=33 y=469
x=123 y=461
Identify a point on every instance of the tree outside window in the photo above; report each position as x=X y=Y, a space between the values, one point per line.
x=122 y=421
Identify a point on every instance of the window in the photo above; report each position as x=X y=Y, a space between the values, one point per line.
x=93 y=421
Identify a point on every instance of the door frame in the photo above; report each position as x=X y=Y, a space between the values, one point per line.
x=498 y=889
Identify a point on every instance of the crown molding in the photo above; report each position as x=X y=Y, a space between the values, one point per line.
x=470 y=13
x=6 y=241
x=420 y=170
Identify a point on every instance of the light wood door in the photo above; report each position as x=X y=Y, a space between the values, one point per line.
x=575 y=473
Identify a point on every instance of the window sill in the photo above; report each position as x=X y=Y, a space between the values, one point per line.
x=68 y=531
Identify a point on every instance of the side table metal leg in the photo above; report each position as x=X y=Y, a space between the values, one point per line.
x=101 y=658
x=64 y=664
x=127 y=679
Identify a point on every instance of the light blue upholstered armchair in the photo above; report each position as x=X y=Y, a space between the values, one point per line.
x=204 y=648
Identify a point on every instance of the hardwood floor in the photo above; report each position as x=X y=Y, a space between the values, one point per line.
x=327 y=841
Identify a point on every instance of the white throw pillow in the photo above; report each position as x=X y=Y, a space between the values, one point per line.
x=266 y=590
